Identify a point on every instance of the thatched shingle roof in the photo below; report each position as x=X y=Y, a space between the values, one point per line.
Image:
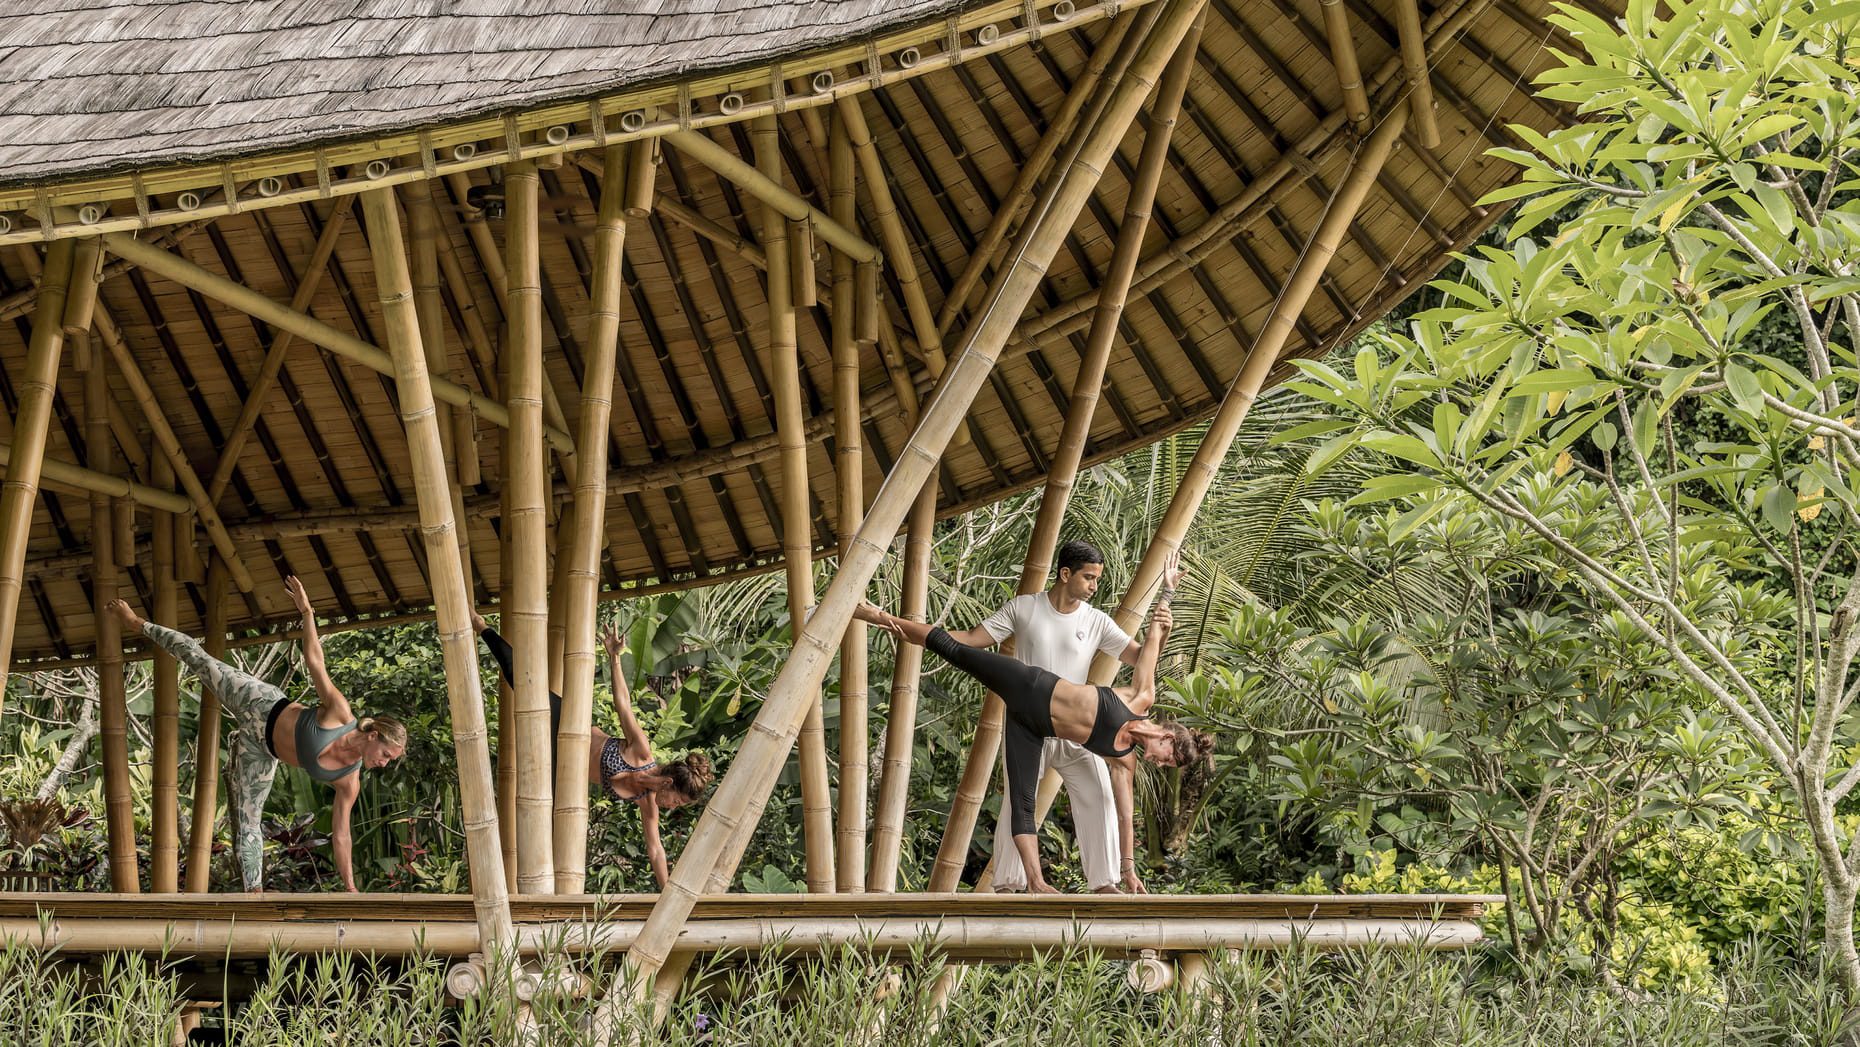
x=323 y=489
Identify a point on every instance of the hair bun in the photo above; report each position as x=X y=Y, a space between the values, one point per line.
x=699 y=764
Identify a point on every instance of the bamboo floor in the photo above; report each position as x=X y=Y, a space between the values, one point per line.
x=964 y=926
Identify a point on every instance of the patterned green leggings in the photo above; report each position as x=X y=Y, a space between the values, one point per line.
x=247 y=701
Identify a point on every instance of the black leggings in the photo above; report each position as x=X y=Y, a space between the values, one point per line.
x=501 y=650
x=1027 y=691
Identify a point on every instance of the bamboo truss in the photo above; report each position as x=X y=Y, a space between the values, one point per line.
x=490 y=903
x=1343 y=56
x=737 y=805
x=1062 y=472
x=526 y=616
x=589 y=540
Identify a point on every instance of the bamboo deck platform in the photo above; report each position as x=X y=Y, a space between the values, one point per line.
x=964 y=926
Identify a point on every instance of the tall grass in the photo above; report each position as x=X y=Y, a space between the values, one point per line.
x=1383 y=998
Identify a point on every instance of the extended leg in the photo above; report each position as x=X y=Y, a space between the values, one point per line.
x=248 y=784
x=240 y=692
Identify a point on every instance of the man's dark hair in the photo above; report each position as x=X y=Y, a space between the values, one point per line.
x=1077 y=553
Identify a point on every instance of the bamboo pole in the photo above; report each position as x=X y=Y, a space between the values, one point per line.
x=849 y=846
x=423 y=230
x=1343 y=58
x=796 y=526
x=589 y=538
x=526 y=616
x=894 y=785
x=200 y=499
x=731 y=816
x=506 y=697
x=561 y=540
x=1252 y=376
x=345 y=345
x=207 y=739
x=37 y=385
x=165 y=753
x=1036 y=165
x=1414 y=64
x=1062 y=473
x=768 y=189
x=490 y=903
x=268 y=371
x=119 y=805
x=56 y=472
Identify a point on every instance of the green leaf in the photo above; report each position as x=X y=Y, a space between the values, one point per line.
x=1779 y=507
x=1745 y=391
x=1604 y=436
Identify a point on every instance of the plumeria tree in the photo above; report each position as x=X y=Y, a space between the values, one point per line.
x=1681 y=352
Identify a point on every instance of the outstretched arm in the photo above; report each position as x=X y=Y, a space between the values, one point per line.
x=341 y=844
x=1123 y=781
x=330 y=698
x=623 y=698
x=655 y=850
x=1143 y=680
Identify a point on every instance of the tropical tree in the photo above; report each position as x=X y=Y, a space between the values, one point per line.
x=1716 y=157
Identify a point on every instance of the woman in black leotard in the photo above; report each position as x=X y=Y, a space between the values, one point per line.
x=1112 y=722
x=624 y=766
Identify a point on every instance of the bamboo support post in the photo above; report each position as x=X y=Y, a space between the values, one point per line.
x=123 y=517
x=36 y=386
x=1020 y=194
x=894 y=786
x=1343 y=58
x=199 y=496
x=491 y=905
x=796 y=525
x=769 y=190
x=1062 y=472
x=737 y=805
x=423 y=234
x=849 y=448
x=268 y=371
x=1414 y=65
x=526 y=616
x=589 y=538
x=561 y=540
x=207 y=739
x=165 y=724
x=345 y=345
x=119 y=805
x=506 y=702
x=1246 y=385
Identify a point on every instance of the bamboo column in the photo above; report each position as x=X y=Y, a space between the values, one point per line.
x=119 y=804
x=526 y=616
x=1252 y=375
x=849 y=449
x=423 y=230
x=796 y=527
x=165 y=785
x=506 y=695
x=561 y=541
x=452 y=605
x=589 y=538
x=1113 y=291
x=207 y=739
x=894 y=784
x=733 y=811
x=36 y=387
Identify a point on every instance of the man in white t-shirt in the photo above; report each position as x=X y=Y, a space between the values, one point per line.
x=1059 y=631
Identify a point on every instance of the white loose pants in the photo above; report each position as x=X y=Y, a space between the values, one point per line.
x=1094 y=818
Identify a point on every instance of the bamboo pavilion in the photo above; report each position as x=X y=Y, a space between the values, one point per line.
x=451 y=303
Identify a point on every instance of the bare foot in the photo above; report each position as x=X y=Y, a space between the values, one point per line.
x=477 y=621
x=1041 y=887
x=870 y=613
x=1109 y=888
x=125 y=614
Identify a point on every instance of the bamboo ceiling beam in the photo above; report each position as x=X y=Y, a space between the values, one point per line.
x=452 y=603
x=241 y=430
x=200 y=499
x=877 y=182
x=702 y=148
x=730 y=817
x=1020 y=195
x=1113 y=292
x=1343 y=58
x=796 y=527
x=21 y=302
x=1414 y=64
x=187 y=274
x=526 y=616
x=38 y=384
x=585 y=546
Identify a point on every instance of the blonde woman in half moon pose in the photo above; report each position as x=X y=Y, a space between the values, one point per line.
x=1112 y=722
x=327 y=739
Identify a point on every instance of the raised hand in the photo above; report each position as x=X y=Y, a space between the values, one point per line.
x=1172 y=572
x=611 y=640
x=298 y=596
